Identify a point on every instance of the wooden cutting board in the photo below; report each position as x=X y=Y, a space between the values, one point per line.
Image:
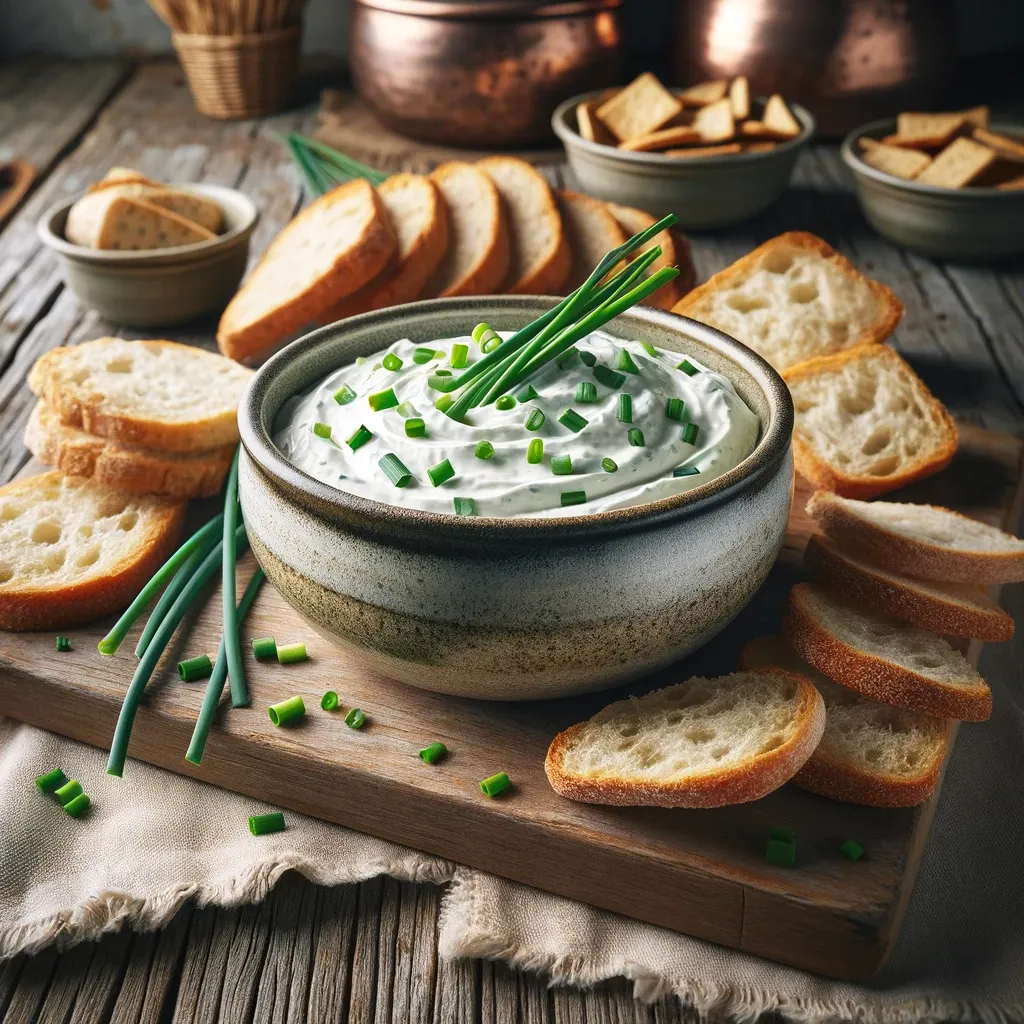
x=700 y=872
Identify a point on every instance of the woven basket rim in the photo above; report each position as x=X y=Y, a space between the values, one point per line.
x=226 y=42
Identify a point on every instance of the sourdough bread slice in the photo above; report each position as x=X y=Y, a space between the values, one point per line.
x=157 y=394
x=702 y=743
x=477 y=259
x=866 y=423
x=540 y=256
x=592 y=231
x=331 y=249
x=881 y=658
x=953 y=609
x=926 y=541
x=110 y=220
x=869 y=753
x=794 y=298
x=73 y=550
x=128 y=468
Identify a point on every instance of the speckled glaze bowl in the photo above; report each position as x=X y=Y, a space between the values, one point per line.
x=513 y=609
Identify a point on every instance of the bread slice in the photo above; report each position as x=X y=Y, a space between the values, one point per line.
x=109 y=220
x=925 y=541
x=714 y=123
x=419 y=217
x=589 y=125
x=477 y=259
x=778 y=118
x=793 y=298
x=881 y=658
x=739 y=98
x=697 y=152
x=157 y=394
x=869 y=753
x=702 y=743
x=928 y=131
x=331 y=249
x=73 y=550
x=189 y=205
x=958 y=165
x=592 y=231
x=1006 y=146
x=642 y=107
x=704 y=93
x=953 y=609
x=675 y=252
x=866 y=423
x=895 y=160
x=540 y=257
x=124 y=467
x=664 y=138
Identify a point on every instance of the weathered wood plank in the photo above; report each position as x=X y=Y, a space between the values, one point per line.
x=68 y=977
x=457 y=996
x=33 y=983
x=102 y=982
x=237 y=953
x=285 y=974
x=194 y=965
x=364 y=954
x=334 y=927
x=415 y=955
x=10 y=970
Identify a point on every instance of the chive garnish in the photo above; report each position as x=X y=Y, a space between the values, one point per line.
x=690 y=432
x=780 y=853
x=344 y=395
x=459 y=357
x=535 y=420
x=51 y=781
x=675 y=409
x=77 y=806
x=395 y=470
x=406 y=409
x=495 y=784
x=573 y=497
x=649 y=349
x=66 y=793
x=609 y=465
x=440 y=473
x=566 y=358
x=608 y=377
x=624 y=362
x=483 y=449
x=433 y=753
x=688 y=368
x=266 y=824
x=356 y=718
x=322 y=430
x=392 y=362
x=686 y=471
x=329 y=701
x=422 y=355
x=528 y=394
x=486 y=337
x=63 y=644
x=195 y=668
x=588 y=357
x=381 y=400
x=505 y=402
x=465 y=507
x=561 y=465
x=586 y=392
x=573 y=420
x=442 y=381
x=625 y=408
x=852 y=850
x=289 y=654
x=286 y=711
x=636 y=437
x=415 y=427
x=264 y=647
x=359 y=438
x=444 y=403
x=535 y=451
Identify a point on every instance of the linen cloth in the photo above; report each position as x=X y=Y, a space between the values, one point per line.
x=163 y=839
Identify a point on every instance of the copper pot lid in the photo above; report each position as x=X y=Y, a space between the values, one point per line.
x=490 y=8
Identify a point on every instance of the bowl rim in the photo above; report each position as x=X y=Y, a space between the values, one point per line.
x=571 y=138
x=251 y=215
x=885 y=126
x=393 y=523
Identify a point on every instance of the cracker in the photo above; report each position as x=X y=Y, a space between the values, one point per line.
x=644 y=106
x=663 y=139
x=701 y=151
x=977 y=117
x=1012 y=185
x=703 y=93
x=589 y=126
x=927 y=131
x=778 y=118
x=1006 y=146
x=958 y=164
x=759 y=147
x=739 y=97
x=895 y=160
x=715 y=122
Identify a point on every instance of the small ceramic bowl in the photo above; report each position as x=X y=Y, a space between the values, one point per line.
x=513 y=609
x=709 y=192
x=158 y=287
x=972 y=224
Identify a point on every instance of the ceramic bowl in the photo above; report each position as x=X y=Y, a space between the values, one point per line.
x=158 y=287
x=973 y=224
x=513 y=609
x=710 y=192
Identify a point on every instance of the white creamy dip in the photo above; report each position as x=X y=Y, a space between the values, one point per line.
x=506 y=484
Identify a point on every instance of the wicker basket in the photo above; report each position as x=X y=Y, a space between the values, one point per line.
x=240 y=76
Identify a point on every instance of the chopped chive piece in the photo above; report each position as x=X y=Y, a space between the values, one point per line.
x=359 y=438
x=51 y=781
x=852 y=850
x=266 y=824
x=490 y=344
x=441 y=382
x=566 y=357
x=422 y=355
x=561 y=465
x=459 y=358
x=528 y=394
x=381 y=400
x=406 y=409
x=608 y=377
x=650 y=349
x=264 y=647
x=588 y=357
x=442 y=373
x=344 y=395
x=625 y=408
x=322 y=430
x=481 y=331
x=609 y=465
x=329 y=701
x=66 y=793
x=434 y=753
x=289 y=654
x=675 y=409
x=415 y=427
x=192 y=669
x=63 y=644
x=586 y=392
x=785 y=835
x=780 y=853
x=465 y=507
x=688 y=368
x=573 y=420
x=573 y=497
x=483 y=449
x=486 y=337
x=441 y=472
x=535 y=451
x=356 y=718
x=624 y=362
x=444 y=403
x=690 y=432
x=495 y=784
x=286 y=710
x=505 y=403
x=392 y=362
x=395 y=470
x=360 y=360
x=686 y=471
x=636 y=437
x=535 y=420
x=78 y=806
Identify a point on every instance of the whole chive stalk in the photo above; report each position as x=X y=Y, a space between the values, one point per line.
x=381 y=400
x=349 y=166
x=415 y=427
x=441 y=473
x=459 y=358
x=395 y=470
x=232 y=641
x=286 y=711
x=535 y=451
x=359 y=438
x=266 y=824
x=561 y=465
x=465 y=507
x=344 y=395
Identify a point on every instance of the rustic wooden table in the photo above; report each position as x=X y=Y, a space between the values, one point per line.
x=366 y=952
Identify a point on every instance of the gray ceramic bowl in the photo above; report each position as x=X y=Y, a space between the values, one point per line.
x=158 y=287
x=710 y=192
x=973 y=224
x=513 y=609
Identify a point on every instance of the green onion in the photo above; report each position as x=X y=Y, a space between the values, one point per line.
x=266 y=824
x=290 y=654
x=535 y=420
x=322 y=430
x=63 y=644
x=78 y=806
x=780 y=853
x=229 y=629
x=686 y=471
x=460 y=356
x=573 y=420
x=505 y=403
x=434 y=753
x=51 y=781
x=625 y=408
x=528 y=394
x=444 y=403
x=636 y=437
x=588 y=357
x=442 y=382
x=483 y=449
x=392 y=362
x=495 y=784
x=344 y=395
x=465 y=507
x=535 y=451
x=688 y=368
x=573 y=497
x=422 y=355
x=395 y=470
x=566 y=358
x=675 y=409
x=486 y=337
x=356 y=718
x=264 y=647
x=406 y=409
x=415 y=427
x=561 y=465
x=852 y=850
x=359 y=438
x=490 y=344
x=609 y=465
x=608 y=377
x=286 y=711
x=381 y=400
x=624 y=362
x=649 y=349
x=192 y=669
x=334 y=160
x=586 y=392
x=690 y=432
x=329 y=701
x=66 y=793
x=440 y=473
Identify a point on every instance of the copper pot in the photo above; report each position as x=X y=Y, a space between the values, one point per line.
x=480 y=73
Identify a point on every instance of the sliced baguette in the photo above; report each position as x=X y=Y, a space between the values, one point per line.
x=540 y=257
x=675 y=252
x=953 y=609
x=793 y=298
x=869 y=753
x=866 y=423
x=331 y=249
x=73 y=550
x=110 y=220
x=642 y=107
x=123 y=467
x=881 y=658
x=157 y=394
x=925 y=541
x=592 y=231
x=477 y=259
